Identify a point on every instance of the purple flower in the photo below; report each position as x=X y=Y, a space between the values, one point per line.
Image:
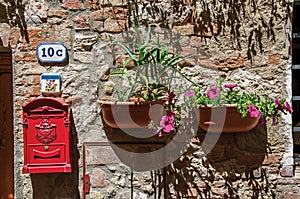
x=275 y=121
x=230 y=86
x=167 y=122
x=189 y=93
x=288 y=107
x=213 y=92
x=253 y=112
x=262 y=120
x=279 y=106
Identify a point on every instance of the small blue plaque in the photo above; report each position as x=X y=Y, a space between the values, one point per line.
x=51 y=52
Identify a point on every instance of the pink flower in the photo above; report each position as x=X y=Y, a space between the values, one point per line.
x=167 y=122
x=279 y=106
x=253 y=112
x=288 y=107
x=189 y=93
x=230 y=86
x=213 y=92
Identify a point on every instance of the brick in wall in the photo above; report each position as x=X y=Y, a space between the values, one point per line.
x=72 y=4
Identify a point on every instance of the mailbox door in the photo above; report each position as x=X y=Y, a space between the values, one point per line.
x=46 y=136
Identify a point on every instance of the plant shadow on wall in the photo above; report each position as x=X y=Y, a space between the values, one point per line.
x=12 y=12
x=222 y=174
x=212 y=18
x=234 y=164
x=59 y=185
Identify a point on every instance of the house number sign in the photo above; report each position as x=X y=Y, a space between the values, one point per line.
x=51 y=52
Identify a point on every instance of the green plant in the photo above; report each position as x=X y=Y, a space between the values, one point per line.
x=154 y=63
x=155 y=67
x=254 y=105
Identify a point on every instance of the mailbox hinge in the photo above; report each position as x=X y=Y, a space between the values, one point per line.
x=86 y=183
x=25 y=123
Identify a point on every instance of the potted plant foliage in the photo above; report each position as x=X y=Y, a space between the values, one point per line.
x=149 y=101
x=234 y=111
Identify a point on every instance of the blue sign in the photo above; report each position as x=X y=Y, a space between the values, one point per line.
x=51 y=52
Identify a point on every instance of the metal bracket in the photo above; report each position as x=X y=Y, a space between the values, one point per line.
x=86 y=183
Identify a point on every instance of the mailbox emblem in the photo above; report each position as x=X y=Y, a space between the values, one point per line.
x=45 y=132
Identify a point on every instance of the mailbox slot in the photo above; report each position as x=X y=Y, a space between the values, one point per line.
x=46 y=129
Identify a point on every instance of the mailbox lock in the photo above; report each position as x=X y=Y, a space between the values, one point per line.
x=46 y=148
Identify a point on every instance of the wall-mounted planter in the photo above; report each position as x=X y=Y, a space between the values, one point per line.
x=126 y=125
x=133 y=114
x=226 y=119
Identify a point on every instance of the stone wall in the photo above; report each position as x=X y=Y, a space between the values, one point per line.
x=246 y=42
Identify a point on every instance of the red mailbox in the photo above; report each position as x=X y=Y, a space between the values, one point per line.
x=46 y=129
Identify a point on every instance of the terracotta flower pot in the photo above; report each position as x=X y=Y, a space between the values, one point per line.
x=225 y=119
x=133 y=114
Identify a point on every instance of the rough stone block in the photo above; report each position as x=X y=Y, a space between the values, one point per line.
x=37 y=35
x=114 y=3
x=26 y=56
x=101 y=155
x=219 y=191
x=84 y=57
x=208 y=33
x=119 y=14
x=185 y=30
x=81 y=23
x=218 y=184
x=100 y=15
x=272 y=159
x=93 y=4
x=84 y=42
x=274 y=59
x=98 y=178
x=34 y=79
x=105 y=13
x=72 y=4
x=58 y=13
x=231 y=63
x=287 y=171
x=98 y=26
x=35 y=91
x=20 y=81
x=197 y=41
x=115 y=26
x=292 y=195
x=286 y=181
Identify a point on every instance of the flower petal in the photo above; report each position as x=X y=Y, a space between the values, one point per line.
x=189 y=93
